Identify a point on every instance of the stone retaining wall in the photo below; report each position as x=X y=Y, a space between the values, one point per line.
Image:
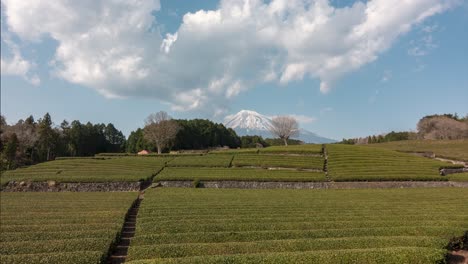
x=314 y=185
x=52 y=186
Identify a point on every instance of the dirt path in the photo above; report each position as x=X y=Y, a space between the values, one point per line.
x=119 y=254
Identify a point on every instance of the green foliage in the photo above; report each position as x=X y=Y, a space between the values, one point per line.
x=389 y=137
x=280 y=142
x=363 y=163
x=60 y=227
x=237 y=174
x=203 y=134
x=8 y=154
x=42 y=141
x=89 y=170
x=305 y=149
x=252 y=141
x=209 y=160
x=136 y=142
x=298 y=226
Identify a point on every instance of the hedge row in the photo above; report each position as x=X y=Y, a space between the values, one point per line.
x=60 y=227
x=295 y=226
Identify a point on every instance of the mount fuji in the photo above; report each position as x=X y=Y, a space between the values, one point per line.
x=247 y=122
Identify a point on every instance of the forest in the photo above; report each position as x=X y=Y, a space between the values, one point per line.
x=31 y=141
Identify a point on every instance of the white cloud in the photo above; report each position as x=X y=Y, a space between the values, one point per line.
x=116 y=48
x=168 y=41
x=16 y=65
x=304 y=119
x=422 y=46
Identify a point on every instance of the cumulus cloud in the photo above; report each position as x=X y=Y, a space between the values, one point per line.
x=116 y=48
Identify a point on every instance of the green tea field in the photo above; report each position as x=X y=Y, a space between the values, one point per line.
x=60 y=227
x=451 y=149
x=89 y=170
x=298 y=226
x=363 y=163
x=292 y=163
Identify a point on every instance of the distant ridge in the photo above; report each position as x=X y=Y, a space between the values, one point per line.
x=248 y=122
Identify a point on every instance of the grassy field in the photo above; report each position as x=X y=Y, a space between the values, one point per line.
x=265 y=161
x=237 y=174
x=297 y=226
x=451 y=149
x=363 y=163
x=89 y=170
x=60 y=227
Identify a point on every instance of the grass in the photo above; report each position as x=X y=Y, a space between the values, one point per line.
x=210 y=160
x=297 y=226
x=364 y=163
x=89 y=170
x=450 y=149
x=265 y=161
x=237 y=174
x=60 y=227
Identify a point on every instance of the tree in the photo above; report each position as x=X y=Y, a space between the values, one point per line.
x=284 y=127
x=9 y=152
x=47 y=137
x=115 y=138
x=160 y=129
x=442 y=127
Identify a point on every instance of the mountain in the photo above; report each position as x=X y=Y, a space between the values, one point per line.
x=247 y=122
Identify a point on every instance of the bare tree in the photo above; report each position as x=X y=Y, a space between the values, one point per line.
x=284 y=127
x=160 y=129
x=442 y=127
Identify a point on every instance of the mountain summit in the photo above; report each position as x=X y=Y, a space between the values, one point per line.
x=247 y=119
x=248 y=122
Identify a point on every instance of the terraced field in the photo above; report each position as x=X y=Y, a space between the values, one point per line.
x=60 y=227
x=89 y=170
x=363 y=163
x=237 y=174
x=451 y=149
x=266 y=161
x=308 y=149
x=298 y=226
x=210 y=160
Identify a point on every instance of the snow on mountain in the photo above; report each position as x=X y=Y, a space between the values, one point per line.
x=247 y=119
x=247 y=122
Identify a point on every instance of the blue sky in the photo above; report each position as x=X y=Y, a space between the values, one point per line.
x=307 y=58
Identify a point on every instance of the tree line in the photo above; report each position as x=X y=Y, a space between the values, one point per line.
x=445 y=126
x=29 y=141
x=162 y=133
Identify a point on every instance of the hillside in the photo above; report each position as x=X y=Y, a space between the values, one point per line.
x=450 y=149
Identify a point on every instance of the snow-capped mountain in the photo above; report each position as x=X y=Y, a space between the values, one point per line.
x=247 y=122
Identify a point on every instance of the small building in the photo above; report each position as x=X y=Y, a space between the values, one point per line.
x=143 y=152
